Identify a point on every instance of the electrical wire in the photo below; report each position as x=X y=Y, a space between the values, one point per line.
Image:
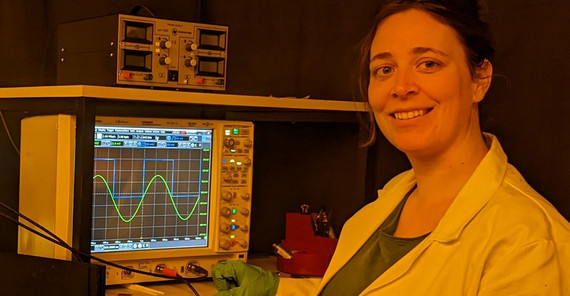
x=135 y=10
x=53 y=235
x=8 y=133
x=58 y=241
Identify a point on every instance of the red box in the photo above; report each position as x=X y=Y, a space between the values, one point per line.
x=311 y=253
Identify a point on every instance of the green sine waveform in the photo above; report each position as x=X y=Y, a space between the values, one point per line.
x=143 y=196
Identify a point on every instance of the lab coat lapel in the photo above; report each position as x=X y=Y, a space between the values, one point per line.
x=369 y=219
x=480 y=187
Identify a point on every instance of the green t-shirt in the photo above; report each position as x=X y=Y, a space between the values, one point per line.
x=378 y=254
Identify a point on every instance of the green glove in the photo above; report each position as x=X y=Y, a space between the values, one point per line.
x=236 y=278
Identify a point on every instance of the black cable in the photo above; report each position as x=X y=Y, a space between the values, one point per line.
x=61 y=242
x=8 y=133
x=135 y=10
x=58 y=241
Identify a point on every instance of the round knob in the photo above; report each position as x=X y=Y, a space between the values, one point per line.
x=247 y=162
x=244 y=211
x=229 y=142
x=244 y=228
x=226 y=195
x=225 y=228
x=247 y=143
x=225 y=211
x=246 y=196
x=164 y=60
x=190 y=62
x=242 y=243
x=190 y=46
x=165 y=44
x=225 y=244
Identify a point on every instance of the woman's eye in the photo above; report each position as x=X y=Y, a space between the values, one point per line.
x=429 y=65
x=383 y=71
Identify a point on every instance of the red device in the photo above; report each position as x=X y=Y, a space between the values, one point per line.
x=311 y=253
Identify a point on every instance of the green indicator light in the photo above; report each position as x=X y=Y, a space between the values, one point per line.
x=203 y=224
x=203 y=214
x=204 y=181
x=234 y=211
x=97 y=143
x=205 y=159
x=236 y=131
x=205 y=170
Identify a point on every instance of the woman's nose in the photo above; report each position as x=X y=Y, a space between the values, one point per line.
x=405 y=85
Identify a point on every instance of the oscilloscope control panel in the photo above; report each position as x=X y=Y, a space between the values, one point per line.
x=133 y=50
x=236 y=175
x=172 y=193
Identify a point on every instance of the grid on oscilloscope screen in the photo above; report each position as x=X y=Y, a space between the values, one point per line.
x=150 y=188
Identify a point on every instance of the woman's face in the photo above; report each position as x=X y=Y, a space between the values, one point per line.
x=421 y=90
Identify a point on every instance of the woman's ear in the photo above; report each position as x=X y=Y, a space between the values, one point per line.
x=482 y=80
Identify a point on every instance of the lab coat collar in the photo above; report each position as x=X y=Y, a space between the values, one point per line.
x=484 y=181
x=482 y=184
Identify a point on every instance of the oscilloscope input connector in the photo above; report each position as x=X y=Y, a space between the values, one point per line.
x=194 y=267
x=162 y=269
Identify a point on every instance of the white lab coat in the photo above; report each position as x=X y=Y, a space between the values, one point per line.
x=498 y=237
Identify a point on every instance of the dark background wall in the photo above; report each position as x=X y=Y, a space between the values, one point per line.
x=309 y=48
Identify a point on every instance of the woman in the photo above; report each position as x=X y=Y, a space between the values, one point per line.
x=463 y=221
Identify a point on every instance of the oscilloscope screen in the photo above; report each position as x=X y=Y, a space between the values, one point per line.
x=151 y=188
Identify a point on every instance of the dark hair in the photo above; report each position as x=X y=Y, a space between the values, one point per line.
x=462 y=15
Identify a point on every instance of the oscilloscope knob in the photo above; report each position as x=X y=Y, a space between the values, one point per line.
x=225 y=244
x=244 y=211
x=229 y=142
x=225 y=228
x=165 y=44
x=227 y=196
x=247 y=143
x=244 y=228
x=164 y=60
x=228 y=177
x=242 y=243
x=246 y=196
x=247 y=162
x=226 y=212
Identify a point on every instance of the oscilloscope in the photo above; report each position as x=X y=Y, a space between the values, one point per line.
x=170 y=192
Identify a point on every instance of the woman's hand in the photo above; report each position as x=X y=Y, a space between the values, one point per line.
x=233 y=278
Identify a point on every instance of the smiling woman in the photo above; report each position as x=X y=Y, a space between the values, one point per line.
x=463 y=221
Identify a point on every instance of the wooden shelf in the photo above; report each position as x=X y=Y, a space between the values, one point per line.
x=180 y=97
